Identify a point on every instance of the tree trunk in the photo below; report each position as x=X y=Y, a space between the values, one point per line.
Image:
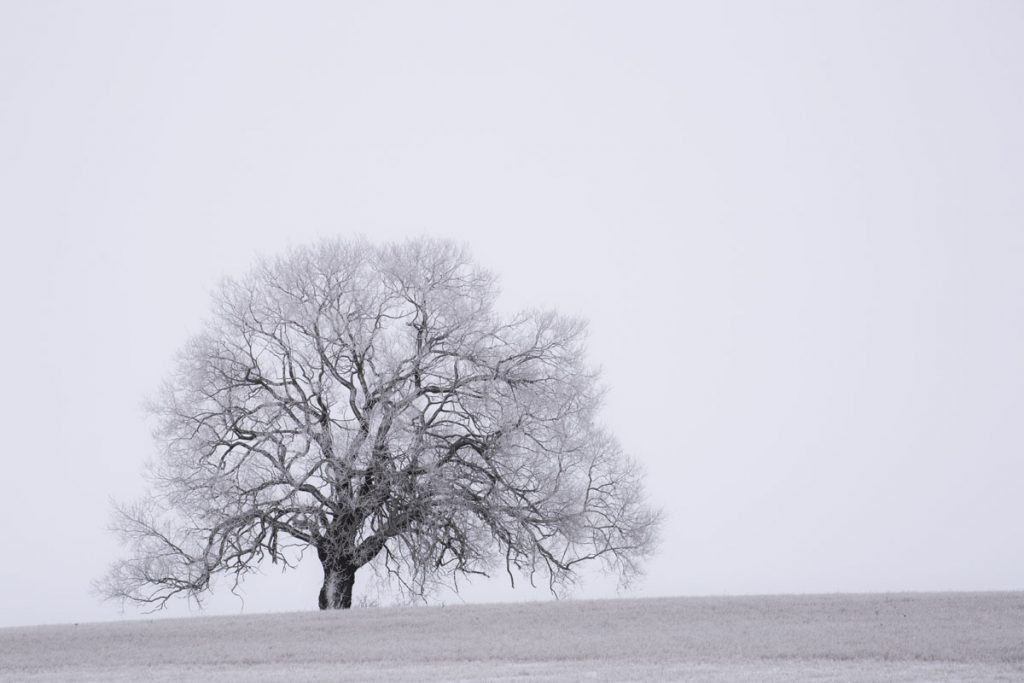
x=336 y=592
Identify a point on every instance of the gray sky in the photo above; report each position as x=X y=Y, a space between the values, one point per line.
x=796 y=228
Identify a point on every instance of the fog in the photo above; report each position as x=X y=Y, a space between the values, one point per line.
x=795 y=228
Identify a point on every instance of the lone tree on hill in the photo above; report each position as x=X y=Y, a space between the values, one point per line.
x=367 y=401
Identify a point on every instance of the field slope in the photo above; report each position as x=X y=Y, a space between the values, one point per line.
x=949 y=636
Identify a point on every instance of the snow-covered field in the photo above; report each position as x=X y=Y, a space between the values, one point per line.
x=912 y=637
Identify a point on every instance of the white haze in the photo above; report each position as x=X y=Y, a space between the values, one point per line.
x=796 y=229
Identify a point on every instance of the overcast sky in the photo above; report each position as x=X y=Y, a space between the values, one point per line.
x=797 y=229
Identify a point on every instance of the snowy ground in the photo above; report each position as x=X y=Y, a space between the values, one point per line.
x=914 y=637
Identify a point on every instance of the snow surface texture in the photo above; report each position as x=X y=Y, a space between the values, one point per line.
x=910 y=637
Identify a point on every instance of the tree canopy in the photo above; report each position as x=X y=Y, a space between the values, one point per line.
x=369 y=402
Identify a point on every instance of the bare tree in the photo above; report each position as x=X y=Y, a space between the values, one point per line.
x=368 y=402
